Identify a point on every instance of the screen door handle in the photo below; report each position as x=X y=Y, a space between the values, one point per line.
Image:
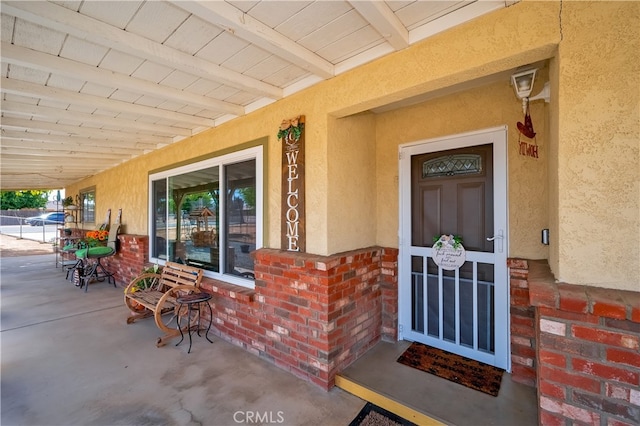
x=498 y=237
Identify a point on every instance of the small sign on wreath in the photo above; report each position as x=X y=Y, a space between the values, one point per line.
x=448 y=252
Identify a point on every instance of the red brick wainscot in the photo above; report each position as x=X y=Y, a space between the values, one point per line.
x=588 y=352
x=310 y=315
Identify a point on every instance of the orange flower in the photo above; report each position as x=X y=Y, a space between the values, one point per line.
x=94 y=236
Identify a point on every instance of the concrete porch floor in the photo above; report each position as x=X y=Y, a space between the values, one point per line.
x=377 y=377
x=69 y=358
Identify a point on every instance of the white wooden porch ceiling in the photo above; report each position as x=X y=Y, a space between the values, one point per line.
x=88 y=85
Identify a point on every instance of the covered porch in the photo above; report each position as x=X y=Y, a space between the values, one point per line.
x=68 y=357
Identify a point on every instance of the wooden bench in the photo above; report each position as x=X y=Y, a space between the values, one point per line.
x=155 y=294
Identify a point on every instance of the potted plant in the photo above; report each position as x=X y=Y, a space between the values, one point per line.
x=148 y=282
x=96 y=238
x=67 y=203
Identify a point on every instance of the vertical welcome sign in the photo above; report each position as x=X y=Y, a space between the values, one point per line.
x=293 y=215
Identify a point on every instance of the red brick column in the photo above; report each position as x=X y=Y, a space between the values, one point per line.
x=523 y=340
x=389 y=287
x=588 y=354
x=129 y=260
x=317 y=314
x=236 y=316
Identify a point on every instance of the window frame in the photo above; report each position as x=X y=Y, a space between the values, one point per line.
x=253 y=153
x=83 y=210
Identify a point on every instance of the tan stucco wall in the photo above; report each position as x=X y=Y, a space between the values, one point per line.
x=352 y=172
x=488 y=45
x=503 y=40
x=481 y=108
x=598 y=148
x=592 y=127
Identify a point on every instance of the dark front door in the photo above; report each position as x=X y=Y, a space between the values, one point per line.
x=452 y=193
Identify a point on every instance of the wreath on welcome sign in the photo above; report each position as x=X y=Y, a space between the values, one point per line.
x=291 y=129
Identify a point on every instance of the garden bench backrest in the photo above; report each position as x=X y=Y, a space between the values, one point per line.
x=175 y=274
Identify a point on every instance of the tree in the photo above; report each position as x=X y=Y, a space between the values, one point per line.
x=249 y=195
x=16 y=200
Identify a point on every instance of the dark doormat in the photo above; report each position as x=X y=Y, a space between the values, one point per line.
x=467 y=372
x=372 y=415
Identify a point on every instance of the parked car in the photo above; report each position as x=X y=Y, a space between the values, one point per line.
x=48 y=218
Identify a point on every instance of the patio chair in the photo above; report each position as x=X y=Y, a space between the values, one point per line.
x=95 y=270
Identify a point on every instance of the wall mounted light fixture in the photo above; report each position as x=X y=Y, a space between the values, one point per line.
x=522 y=83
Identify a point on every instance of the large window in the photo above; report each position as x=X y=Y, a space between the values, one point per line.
x=209 y=214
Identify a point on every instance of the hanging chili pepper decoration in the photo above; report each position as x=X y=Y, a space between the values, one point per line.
x=527 y=128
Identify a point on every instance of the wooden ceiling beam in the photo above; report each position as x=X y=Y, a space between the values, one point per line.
x=27 y=140
x=73 y=141
x=87 y=132
x=24 y=88
x=67 y=154
x=54 y=64
x=12 y=163
x=37 y=111
x=243 y=25
x=84 y=27
x=37 y=181
x=382 y=18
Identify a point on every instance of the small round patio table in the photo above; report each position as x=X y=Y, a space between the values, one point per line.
x=194 y=303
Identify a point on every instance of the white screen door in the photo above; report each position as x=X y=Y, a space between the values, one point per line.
x=456 y=185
